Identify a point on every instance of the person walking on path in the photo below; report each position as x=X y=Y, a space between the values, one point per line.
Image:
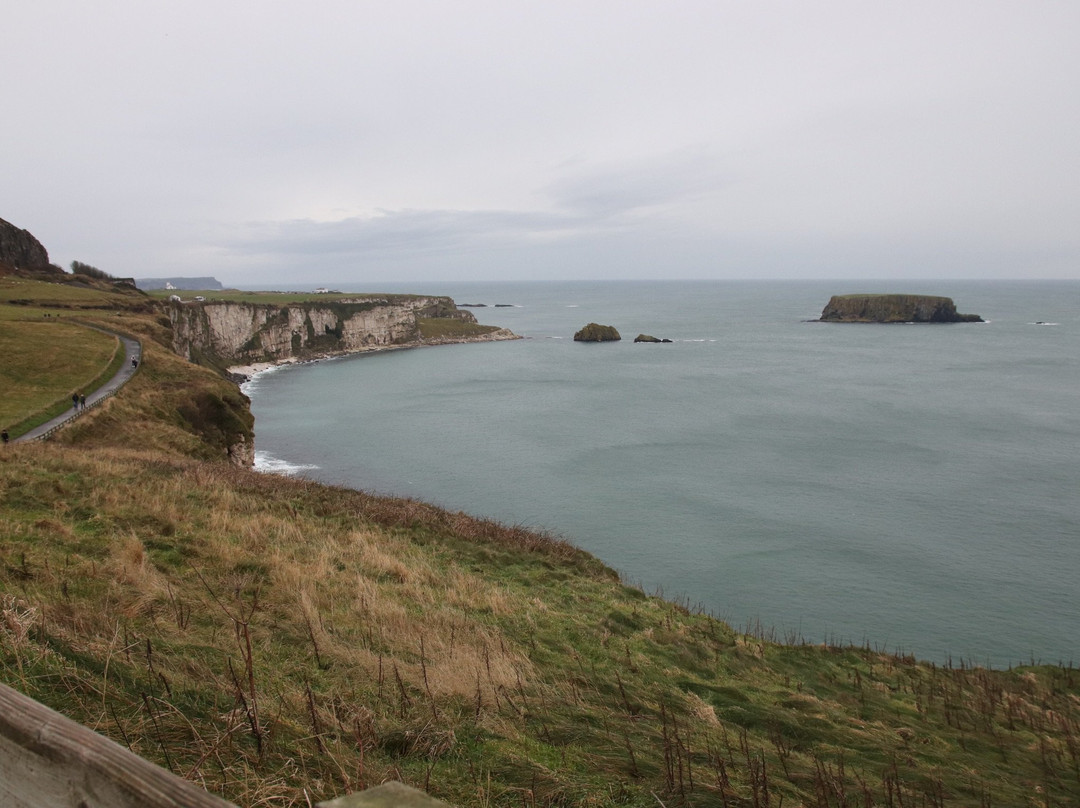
x=4 y=436
x=133 y=351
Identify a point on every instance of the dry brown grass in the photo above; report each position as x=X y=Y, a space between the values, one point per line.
x=131 y=569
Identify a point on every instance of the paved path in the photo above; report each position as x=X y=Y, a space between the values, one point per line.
x=132 y=351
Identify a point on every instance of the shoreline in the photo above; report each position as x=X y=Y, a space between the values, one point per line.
x=241 y=374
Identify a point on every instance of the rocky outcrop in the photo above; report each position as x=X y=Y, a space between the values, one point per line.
x=490 y=335
x=225 y=333
x=649 y=338
x=221 y=416
x=594 y=332
x=242 y=452
x=20 y=249
x=894 y=309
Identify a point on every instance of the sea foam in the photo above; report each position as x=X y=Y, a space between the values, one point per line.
x=267 y=463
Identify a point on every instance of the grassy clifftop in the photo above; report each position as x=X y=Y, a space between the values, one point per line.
x=280 y=641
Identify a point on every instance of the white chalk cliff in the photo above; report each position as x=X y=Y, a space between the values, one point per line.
x=241 y=333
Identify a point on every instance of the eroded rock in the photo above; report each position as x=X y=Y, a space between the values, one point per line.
x=20 y=249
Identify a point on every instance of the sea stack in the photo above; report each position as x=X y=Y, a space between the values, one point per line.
x=894 y=309
x=594 y=332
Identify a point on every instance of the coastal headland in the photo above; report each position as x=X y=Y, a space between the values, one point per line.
x=249 y=331
x=280 y=641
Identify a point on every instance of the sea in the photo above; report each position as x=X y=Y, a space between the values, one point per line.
x=910 y=488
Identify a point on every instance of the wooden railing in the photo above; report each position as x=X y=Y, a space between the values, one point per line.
x=50 y=761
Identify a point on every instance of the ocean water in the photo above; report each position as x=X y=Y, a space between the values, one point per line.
x=913 y=487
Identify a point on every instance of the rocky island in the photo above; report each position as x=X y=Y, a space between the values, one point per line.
x=594 y=332
x=894 y=309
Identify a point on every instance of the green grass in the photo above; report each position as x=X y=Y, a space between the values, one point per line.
x=45 y=361
x=888 y=294
x=74 y=293
x=435 y=328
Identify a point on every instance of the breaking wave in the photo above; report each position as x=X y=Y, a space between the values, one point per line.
x=267 y=463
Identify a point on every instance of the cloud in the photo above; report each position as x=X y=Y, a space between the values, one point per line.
x=644 y=185
x=394 y=232
x=546 y=139
x=586 y=203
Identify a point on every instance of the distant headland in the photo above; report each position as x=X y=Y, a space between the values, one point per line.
x=894 y=309
x=183 y=284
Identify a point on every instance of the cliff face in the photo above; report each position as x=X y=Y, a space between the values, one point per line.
x=223 y=334
x=894 y=309
x=245 y=333
x=19 y=248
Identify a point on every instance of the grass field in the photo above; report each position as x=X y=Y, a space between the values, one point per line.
x=277 y=298
x=44 y=296
x=434 y=328
x=44 y=362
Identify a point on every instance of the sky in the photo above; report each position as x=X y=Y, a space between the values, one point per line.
x=350 y=142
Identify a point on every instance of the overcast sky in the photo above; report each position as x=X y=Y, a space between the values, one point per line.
x=344 y=141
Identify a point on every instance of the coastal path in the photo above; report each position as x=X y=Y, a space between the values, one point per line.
x=132 y=359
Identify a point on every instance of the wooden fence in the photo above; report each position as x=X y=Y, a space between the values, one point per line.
x=50 y=761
